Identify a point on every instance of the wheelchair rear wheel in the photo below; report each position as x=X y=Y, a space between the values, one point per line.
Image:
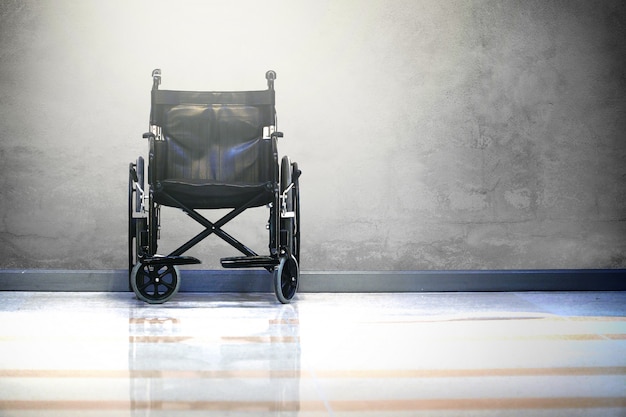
x=287 y=273
x=290 y=226
x=136 y=225
x=131 y=222
x=295 y=249
x=155 y=284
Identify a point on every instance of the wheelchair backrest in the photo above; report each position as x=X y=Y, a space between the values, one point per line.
x=215 y=137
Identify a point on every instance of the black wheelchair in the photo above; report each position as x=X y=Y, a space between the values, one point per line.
x=212 y=150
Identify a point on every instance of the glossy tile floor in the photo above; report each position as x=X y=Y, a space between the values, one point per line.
x=409 y=354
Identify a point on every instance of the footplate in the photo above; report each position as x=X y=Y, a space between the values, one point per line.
x=249 y=262
x=169 y=260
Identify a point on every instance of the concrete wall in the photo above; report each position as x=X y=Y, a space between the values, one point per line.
x=432 y=134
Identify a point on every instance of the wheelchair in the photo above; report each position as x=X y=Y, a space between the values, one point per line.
x=212 y=150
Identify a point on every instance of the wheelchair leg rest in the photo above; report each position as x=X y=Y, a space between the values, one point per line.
x=249 y=262
x=169 y=260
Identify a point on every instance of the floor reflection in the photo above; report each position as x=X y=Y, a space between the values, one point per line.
x=366 y=355
x=229 y=358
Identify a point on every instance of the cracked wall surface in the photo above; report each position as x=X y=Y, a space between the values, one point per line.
x=432 y=135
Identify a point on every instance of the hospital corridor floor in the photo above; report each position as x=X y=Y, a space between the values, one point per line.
x=378 y=354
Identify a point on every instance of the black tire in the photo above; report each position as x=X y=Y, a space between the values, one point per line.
x=290 y=226
x=152 y=232
x=132 y=231
x=287 y=273
x=140 y=177
x=155 y=284
x=136 y=226
x=296 y=208
x=286 y=279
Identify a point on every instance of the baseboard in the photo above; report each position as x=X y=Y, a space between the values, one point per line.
x=329 y=281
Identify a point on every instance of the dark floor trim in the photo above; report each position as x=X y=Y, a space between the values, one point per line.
x=329 y=281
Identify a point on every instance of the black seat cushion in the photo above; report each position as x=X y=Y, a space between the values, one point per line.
x=203 y=195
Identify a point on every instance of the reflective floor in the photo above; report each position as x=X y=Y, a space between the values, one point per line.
x=409 y=354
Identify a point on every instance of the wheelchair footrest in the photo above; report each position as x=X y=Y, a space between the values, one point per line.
x=249 y=262
x=169 y=260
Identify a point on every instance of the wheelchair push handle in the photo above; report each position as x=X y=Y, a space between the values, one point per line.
x=156 y=78
x=270 y=76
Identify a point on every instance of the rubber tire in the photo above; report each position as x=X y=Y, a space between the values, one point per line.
x=135 y=225
x=286 y=279
x=132 y=230
x=153 y=227
x=293 y=204
x=295 y=248
x=287 y=273
x=140 y=176
x=163 y=290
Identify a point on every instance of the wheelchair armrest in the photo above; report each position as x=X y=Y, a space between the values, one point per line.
x=296 y=173
x=133 y=173
x=277 y=135
x=148 y=135
x=158 y=158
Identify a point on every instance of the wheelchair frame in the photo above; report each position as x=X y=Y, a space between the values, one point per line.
x=155 y=278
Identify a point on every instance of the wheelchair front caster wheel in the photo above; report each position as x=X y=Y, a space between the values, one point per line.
x=286 y=279
x=155 y=284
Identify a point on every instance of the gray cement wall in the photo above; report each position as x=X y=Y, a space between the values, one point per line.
x=432 y=134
